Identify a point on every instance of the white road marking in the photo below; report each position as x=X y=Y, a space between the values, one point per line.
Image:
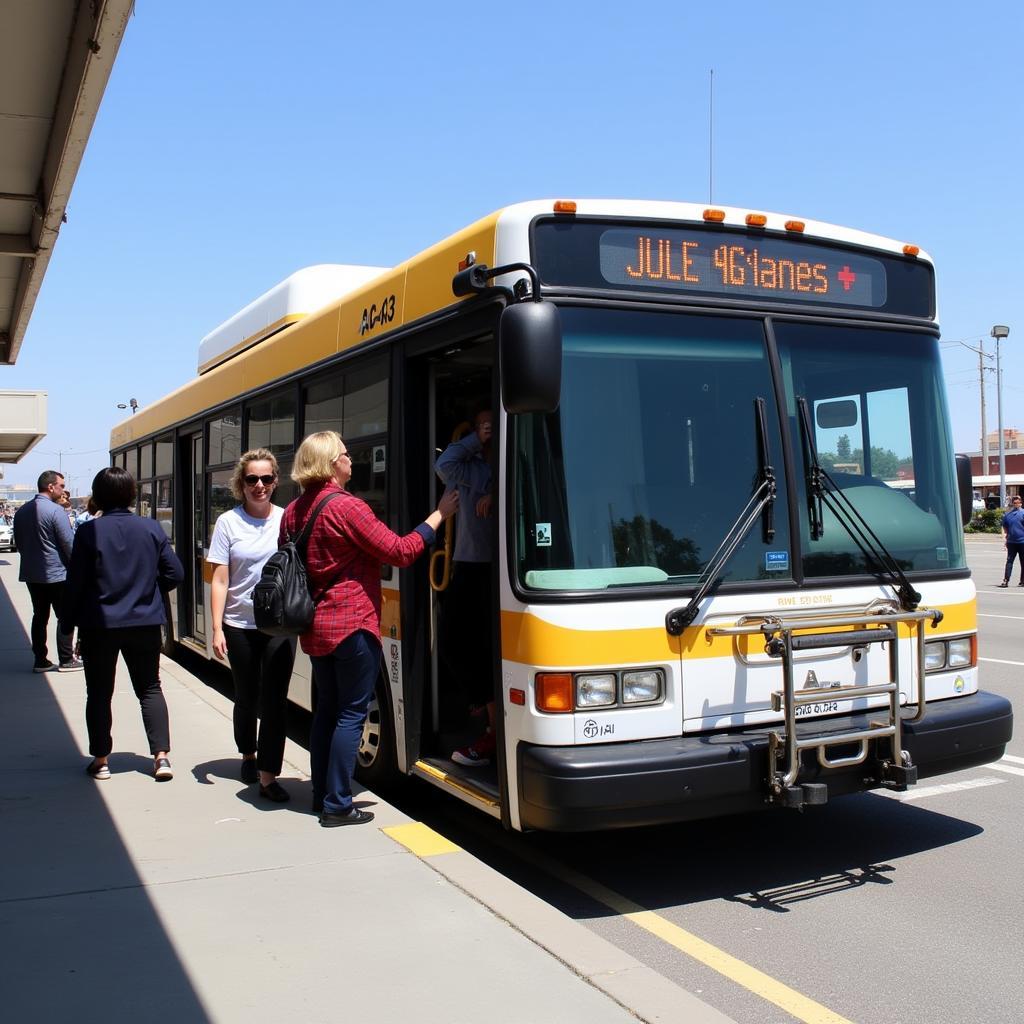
x=987 y=616
x=1006 y=768
x=925 y=792
x=999 y=661
x=1010 y=757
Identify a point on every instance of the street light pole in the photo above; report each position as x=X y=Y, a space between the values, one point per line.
x=999 y=332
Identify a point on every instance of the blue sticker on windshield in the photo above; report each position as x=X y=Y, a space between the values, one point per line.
x=776 y=561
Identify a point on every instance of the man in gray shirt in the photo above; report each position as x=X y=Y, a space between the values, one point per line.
x=43 y=535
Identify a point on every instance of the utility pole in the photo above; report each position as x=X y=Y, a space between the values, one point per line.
x=984 y=429
x=982 y=356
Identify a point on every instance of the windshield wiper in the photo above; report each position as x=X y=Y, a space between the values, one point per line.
x=760 y=502
x=848 y=517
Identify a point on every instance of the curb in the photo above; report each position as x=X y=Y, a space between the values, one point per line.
x=650 y=996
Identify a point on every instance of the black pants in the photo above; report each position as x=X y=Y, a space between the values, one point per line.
x=261 y=667
x=466 y=639
x=44 y=597
x=140 y=647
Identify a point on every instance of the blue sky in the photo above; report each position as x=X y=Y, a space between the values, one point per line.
x=240 y=141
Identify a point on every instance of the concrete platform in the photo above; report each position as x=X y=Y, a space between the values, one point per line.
x=195 y=901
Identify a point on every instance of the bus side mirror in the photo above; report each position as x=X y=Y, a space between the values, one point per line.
x=965 y=487
x=530 y=357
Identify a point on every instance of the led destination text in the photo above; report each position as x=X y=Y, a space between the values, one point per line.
x=721 y=263
x=736 y=266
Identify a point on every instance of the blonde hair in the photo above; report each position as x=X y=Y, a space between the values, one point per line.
x=314 y=461
x=253 y=455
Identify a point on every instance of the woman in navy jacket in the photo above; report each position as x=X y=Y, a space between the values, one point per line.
x=121 y=567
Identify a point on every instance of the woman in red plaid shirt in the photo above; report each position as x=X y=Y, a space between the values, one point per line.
x=344 y=554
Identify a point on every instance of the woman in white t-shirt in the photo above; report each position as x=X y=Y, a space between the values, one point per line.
x=243 y=539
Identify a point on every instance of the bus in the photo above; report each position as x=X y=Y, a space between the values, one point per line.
x=709 y=593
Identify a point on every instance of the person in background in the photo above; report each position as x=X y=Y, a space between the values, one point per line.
x=346 y=547
x=121 y=567
x=1013 y=538
x=42 y=533
x=65 y=503
x=261 y=665
x=85 y=511
x=465 y=464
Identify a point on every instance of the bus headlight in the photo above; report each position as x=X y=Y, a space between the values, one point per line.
x=642 y=687
x=960 y=652
x=934 y=655
x=595 y=691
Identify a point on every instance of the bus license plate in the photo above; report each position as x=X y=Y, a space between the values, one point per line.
x=821 y=707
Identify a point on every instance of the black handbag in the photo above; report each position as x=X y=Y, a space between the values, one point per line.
x=281 y=602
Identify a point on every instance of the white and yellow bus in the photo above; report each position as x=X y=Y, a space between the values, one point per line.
x=710 y=594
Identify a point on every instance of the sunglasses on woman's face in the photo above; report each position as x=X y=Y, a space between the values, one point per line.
x=252 y=480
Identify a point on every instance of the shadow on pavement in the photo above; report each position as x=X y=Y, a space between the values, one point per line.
x=82 y=940
x=764 y=861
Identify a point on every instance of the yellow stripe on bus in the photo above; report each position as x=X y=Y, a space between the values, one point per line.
x=529 y=640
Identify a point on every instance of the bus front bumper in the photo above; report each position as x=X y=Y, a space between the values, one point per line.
x=684 y=778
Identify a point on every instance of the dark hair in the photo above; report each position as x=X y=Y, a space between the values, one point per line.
x=112 y=488
x=50 y=476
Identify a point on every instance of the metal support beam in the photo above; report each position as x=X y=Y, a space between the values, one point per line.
x=17 y=245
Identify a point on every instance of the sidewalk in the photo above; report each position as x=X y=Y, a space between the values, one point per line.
x=193 y=901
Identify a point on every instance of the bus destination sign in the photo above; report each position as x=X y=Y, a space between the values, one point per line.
x=728 y=264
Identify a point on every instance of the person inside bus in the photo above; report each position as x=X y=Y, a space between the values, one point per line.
x=346 y=548
x=261 y=666
x=1013 y=537
x=121 y=567
x=465 y=464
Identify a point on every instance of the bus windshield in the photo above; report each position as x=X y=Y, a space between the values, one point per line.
x=654 y=451
x=878 y=414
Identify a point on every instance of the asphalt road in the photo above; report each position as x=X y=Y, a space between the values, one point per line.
x=878 y=909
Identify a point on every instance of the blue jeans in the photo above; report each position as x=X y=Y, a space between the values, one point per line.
x=1013 y=551
x=344 y=681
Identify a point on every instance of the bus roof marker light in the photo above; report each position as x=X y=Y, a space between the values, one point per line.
x=756 y=220
x=795 y=225
x=714 y=216
x=468 y=260
x=911 y=250
x=565 y=206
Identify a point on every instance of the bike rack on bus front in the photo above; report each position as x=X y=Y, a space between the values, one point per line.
x=786 y=635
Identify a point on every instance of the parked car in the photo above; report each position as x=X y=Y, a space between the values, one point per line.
x=6 y=537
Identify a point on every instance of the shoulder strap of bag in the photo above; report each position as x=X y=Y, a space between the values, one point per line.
x=303 y=536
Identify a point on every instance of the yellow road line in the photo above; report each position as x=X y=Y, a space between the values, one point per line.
x=425 y=842
x=420 y=839
x=750 y=978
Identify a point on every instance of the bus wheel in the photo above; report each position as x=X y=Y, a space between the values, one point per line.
x=375 y=759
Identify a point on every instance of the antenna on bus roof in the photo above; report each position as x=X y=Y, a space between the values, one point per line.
x=711 y=133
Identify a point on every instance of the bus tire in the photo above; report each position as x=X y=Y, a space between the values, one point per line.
x=375 y=760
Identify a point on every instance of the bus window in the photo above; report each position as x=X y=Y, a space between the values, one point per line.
x=165 y=457
x=892 y=465
x=652 y=453
x=272 y=423
x=225 y=440
x=164 y=507
x=218 y=497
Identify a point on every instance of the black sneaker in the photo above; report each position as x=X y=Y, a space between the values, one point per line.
x=43 y=666
x=249 y=773
x=354 y=817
